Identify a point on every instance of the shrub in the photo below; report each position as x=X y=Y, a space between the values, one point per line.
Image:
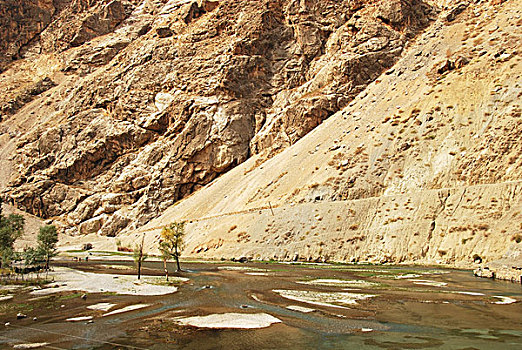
x=517 y=238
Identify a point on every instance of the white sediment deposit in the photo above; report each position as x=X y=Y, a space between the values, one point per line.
x=410 y=275
x=101 y=306
x=504 y=300
x=79 y=319
x=429 y=283
x=30 y=345
x=242 y=268
x=300 y=308
x=341 y=283
x=126 y=309
x=74 y=280
x=471 y=293
x=330 y=299
x=229 y=320
x=117 y=267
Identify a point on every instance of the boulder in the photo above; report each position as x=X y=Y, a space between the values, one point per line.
x=484 y=272
x=455 y=11
x=92 y=225
x=446 y=67
x=164 y=32
x=461 y=62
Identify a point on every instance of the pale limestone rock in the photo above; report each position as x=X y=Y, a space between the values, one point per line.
x=163 y=100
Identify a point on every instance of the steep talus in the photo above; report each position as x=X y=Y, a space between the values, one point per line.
x=135 y=105
x=443 y=226
x=424 y=166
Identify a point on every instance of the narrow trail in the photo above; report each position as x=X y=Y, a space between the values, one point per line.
x=277 y=206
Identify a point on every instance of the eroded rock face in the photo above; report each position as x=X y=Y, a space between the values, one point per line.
x=339 y=59
x=20 y=22
x=77 y=22
x=157 y=99
x=423 y=167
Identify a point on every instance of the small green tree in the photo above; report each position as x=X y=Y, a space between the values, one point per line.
x=139 y=255
x=33 y=257
x=171 y=243
x=47 y=240
x=11 y=228
x=6 y=257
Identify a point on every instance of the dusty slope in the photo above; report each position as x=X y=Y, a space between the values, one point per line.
x=117 y=109
x=422 y=167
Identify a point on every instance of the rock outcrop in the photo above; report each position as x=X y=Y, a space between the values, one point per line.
x=378 y=131
x=424 y=166
x=150 y=101
x=20 y=23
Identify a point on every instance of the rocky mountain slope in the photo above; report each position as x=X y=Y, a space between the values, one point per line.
x=414 y=106
x=424 y=166
x=117 y=109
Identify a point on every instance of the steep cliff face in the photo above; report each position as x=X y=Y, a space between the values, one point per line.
x=424 y=166
x=32 y=29
x=123 y=108
x=21 y=22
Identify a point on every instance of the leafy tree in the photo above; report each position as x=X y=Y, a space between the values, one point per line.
x=139 y=255
x=11 y=228
x=171 y=243
x=47 y=240
x=33 y=257
x=6 y=256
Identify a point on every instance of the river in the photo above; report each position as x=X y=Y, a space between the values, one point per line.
x=317 y=306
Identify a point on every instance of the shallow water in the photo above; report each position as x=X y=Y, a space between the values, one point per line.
x=402 y=315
